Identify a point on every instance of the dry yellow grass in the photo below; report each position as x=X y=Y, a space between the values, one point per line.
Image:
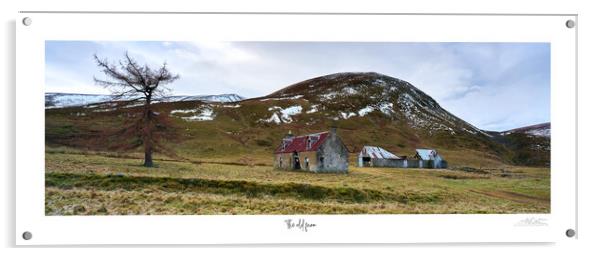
x=94 y=184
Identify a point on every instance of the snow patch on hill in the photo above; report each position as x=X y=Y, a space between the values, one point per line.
x=349 y=91
x=183 y=111
x=313 y=109
x=291 y=111
x=348 y=115
x=273 y=119
x=202 y=113
x=205 y=114
x=284 y=98
x=428 y=115
x=329 y=96
x=281 y=115
x=540 y=132
x=365 y=111
x=386 y=108
x=224 y=98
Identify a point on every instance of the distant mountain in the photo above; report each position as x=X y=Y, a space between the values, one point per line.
x=540 y=130
x=61 y=100
x=530 y=144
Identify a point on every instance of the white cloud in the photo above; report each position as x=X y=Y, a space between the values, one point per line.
x=224 y=52
x=67 y=80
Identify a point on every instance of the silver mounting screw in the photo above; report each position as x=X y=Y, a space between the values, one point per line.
x=570 y=232
x=27 y=235
x=570 y=24
x=26 y=21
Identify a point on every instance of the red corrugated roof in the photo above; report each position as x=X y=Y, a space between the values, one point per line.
x=300 y=143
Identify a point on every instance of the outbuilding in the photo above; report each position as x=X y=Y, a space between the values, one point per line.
x=372 y=156
x=434 y=159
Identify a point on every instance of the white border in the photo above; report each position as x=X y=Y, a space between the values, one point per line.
x=271 y=228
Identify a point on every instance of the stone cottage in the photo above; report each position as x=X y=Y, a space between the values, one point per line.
x=318 y=152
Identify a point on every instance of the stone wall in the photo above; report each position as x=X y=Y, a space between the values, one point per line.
x=334 y=154
x=404 y=163
x=283 y=161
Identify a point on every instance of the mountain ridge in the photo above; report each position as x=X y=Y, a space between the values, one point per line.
x=367 y=107
x=387 y=94
x=541 y=129
x=61 y=99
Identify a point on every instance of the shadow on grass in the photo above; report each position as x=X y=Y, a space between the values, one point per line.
x=227 y=187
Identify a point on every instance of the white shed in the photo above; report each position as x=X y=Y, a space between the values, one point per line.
x=430 y=154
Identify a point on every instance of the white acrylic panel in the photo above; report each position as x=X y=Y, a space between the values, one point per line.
x=290 y=27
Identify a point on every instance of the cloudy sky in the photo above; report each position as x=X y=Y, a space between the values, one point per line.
x=494 y=86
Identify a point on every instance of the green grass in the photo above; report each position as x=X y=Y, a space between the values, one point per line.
x=229 y=187
x=96 y=183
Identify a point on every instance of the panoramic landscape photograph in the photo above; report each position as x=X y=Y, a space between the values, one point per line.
x=247 y=128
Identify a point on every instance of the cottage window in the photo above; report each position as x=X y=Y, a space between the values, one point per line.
x=306 y=163
x=286 y=142
x=311 y=140
x=321 y=160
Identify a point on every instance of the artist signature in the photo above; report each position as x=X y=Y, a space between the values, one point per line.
x=300 y=224
x=530 y=222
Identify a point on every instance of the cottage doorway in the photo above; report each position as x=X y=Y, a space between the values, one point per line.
x=306 y=163
x=296 y=162
x=366 y=161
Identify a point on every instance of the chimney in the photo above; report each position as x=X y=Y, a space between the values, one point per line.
x=289 y=134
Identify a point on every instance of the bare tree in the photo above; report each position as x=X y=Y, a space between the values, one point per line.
x=130 y=82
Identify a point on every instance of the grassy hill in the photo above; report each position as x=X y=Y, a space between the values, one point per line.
x=367 y=109
x=223 y=161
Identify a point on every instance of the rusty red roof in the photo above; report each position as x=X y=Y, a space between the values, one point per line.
x=310 y=142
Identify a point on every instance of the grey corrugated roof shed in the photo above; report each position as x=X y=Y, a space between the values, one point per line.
x=377 y=152
x=428 y=154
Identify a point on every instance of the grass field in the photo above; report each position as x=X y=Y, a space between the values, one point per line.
x=95 y=183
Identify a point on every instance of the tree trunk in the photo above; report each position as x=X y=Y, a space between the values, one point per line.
x=148 y=157
x=147 y=137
